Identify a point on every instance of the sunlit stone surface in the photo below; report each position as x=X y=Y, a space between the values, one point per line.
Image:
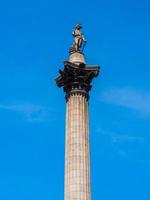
x=77 y=58
x=77 y=161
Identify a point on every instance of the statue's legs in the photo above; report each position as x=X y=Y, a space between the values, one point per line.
x=80 y=43
x=77 y=43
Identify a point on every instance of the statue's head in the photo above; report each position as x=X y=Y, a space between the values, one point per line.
x=78 y=26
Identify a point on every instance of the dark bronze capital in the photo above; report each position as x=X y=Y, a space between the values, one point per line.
x=76 y=79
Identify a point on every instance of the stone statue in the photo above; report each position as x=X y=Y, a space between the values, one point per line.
x=79 y=40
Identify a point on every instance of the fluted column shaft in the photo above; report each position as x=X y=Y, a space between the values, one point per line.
x=77 y=157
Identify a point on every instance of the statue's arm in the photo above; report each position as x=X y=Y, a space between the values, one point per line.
x=73 y=32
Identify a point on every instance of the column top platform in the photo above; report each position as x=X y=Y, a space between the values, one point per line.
x=76 y=78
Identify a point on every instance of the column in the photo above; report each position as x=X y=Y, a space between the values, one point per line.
x=77 y=161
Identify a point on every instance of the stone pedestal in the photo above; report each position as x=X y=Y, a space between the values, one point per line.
x=76 y=79
x=77 y=58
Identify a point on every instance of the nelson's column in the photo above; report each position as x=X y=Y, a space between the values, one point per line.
x=75 y=79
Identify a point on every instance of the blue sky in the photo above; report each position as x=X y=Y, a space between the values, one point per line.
x=34 y=41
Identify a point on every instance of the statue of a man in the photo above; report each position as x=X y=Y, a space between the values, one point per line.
x=79 y=40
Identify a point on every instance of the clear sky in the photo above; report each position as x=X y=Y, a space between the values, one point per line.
x=34 y=40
